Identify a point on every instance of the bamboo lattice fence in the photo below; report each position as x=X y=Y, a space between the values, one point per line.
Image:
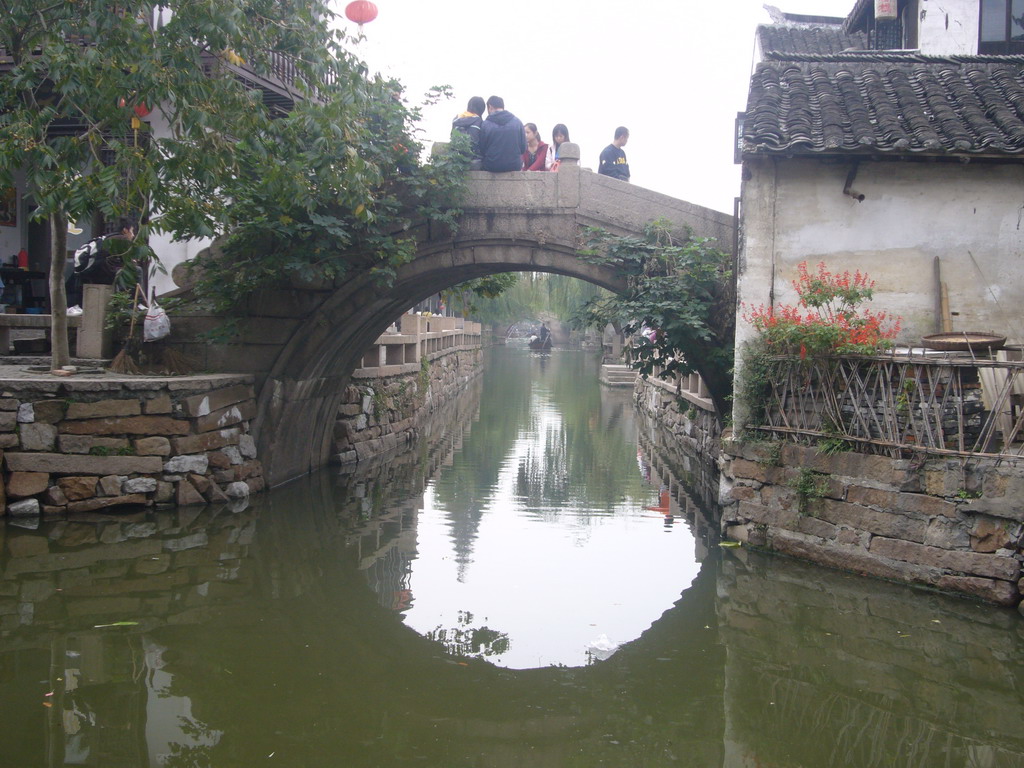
x=899 y=404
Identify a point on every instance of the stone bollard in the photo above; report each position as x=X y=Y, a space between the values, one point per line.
x=568 y=154
x=95 y=340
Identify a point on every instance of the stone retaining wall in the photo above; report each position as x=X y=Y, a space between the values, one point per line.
x=82 y=445
x=381 y=413
x=687 y=417
x=935 y=523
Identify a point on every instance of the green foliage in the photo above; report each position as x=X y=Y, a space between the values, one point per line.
x=906 y=392
x=535 y=294
x=307 y=192
x=809 y=485
x=773 y=455
x=679 y=286
x=344 y=220
x=424 y=377
x=464 y=297
x=754 y=386
x=834 y=442
x=830 y=446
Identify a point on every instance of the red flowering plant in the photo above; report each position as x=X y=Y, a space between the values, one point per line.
x=828 y=318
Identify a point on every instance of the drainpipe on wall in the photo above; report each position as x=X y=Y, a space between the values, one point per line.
x=848 y=187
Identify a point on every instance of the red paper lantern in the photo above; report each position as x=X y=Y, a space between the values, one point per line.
x=361 y=11
x=142 y=110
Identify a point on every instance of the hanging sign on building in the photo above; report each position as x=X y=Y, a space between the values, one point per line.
x=885 y=10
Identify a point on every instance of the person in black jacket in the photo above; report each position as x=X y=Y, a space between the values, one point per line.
x=613 y=160
x=502 y=138
x=470 y=123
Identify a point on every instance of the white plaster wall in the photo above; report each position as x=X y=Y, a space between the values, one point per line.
x=948 y=27
x=969 y=216
x=169 y=252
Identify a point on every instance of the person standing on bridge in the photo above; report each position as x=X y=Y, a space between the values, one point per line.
x=559 y=135
x=537 y=156
x=502 y=139
x=470 y=123
x=613 y=160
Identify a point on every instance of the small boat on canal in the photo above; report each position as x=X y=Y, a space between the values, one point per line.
x=537 y=343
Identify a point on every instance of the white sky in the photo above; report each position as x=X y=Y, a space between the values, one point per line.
x=675 y=72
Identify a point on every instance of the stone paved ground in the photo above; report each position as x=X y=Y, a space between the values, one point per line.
x=31 y=367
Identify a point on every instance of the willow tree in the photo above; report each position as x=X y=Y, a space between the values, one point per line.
x=151 y=111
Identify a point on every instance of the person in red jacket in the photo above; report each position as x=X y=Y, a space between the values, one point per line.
x=536 y=157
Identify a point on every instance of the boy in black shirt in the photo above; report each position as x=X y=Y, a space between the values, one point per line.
x=613 y=160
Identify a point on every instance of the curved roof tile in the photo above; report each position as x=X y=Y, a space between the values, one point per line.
x=900 y=104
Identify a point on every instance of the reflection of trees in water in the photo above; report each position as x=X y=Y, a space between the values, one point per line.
x=466 y=489
x=581 y=447
x=380 y=501
x=469 y=641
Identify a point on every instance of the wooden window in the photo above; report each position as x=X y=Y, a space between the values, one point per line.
x=1002 y=27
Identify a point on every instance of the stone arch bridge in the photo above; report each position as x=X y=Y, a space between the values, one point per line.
x=303 y=341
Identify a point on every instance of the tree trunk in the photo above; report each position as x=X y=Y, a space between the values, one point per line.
x=58 y=296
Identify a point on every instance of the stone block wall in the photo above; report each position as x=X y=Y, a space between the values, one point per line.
x=692 y=423
x=933 y=522
x=380 y=414
x=79 y=446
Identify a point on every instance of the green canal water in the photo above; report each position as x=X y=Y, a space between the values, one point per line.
x=537 y=583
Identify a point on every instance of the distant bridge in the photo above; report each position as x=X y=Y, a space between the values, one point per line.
x=302 y=341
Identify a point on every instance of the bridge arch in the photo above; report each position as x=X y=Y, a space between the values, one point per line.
x=299 y=402
x=302 y=342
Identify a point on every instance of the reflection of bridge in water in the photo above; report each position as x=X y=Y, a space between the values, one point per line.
x=747 y=665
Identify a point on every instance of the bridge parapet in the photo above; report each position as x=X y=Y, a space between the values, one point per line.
x=594 y=200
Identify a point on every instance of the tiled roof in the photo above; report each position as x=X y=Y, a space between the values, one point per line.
x=856 y=15
x=812 y=39
x=888 y=103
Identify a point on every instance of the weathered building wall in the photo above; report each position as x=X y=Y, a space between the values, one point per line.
x=948 y=27
x=967 y=215
x=381 y=413
x=935 y=522
x=83 y=445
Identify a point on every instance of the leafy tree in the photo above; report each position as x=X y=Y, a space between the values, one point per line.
x=464 y=297
x=534 y=295
x=680 y=289
x=334 y=172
